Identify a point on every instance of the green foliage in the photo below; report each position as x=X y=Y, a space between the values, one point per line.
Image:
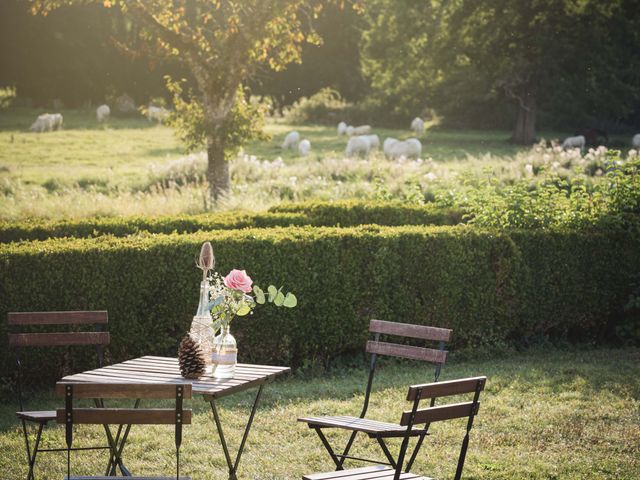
x=326 y=214
x=324 y=106
x=244 y=122
x=490 y=287
x=473 y=60
x=553 y=200
x=348 y=213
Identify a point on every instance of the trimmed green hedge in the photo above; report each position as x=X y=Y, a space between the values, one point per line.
x=327 y=214
x=349 y=213
x=490 y=288
x=123 y=226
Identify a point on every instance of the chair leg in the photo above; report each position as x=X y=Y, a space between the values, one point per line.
x=31 y=455
x=415 y=453
x=387 y=453
x=346 y=450
x=327 y=445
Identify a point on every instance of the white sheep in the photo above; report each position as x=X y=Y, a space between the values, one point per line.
x=636 y=141
x=42 y=124
x=291 y=141
x=47 y=122
x=158 y=114
x=342 y=128
x=374 y=141
x=349 y=131
x=362 y=130
x=417 y=125
x=358 y=145
x=304 y=147
x=102 y=113
x=386 y=146
x=411 y=148
x=574 y=142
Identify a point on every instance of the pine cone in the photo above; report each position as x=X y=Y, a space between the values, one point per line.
x=191 y=358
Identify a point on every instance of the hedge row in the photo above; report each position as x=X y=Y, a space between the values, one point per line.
x=349 y=213
x=489 y=287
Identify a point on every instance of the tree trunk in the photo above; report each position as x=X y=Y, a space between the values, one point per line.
x=524 y=132
x=217 y=169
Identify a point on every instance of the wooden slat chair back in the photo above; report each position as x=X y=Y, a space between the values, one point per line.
x=410 y=419
x=70 y=415
x=21 y=338
x=430 y=336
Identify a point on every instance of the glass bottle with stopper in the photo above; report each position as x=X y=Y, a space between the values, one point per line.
x=201 y=325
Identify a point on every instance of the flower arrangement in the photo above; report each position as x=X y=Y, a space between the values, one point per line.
x=235 y=295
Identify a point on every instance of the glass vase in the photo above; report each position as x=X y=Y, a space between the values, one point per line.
x=201 y=326
x=224 y=355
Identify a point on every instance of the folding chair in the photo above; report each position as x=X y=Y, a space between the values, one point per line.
x=19 y=341
x=376 y=347
x=408 y=427
x=70 y=415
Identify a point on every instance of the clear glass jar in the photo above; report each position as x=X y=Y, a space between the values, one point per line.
x=224 y=355
x=201 y=326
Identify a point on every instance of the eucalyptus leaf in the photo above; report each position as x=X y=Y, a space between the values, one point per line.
x=279 y=300
x=215 y=302
x=243 y=310
x=290 y=300
x=273 y=291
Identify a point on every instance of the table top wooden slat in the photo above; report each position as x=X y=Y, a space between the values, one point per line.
x=151 y=369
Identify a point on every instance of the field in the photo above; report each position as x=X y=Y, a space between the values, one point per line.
x=130 y=166
x=545 y=415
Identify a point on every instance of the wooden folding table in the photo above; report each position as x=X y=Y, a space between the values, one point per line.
x=165 y=370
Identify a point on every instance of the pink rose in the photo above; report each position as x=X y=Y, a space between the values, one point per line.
x=238 y=280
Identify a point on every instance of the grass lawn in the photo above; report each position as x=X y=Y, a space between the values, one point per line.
x=545 y=415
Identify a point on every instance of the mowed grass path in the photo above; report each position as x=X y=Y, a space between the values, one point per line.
x=545 y=415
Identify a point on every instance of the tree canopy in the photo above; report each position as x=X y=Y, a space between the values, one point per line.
x=577 y=59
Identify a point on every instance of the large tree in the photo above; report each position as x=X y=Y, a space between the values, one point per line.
x=566 y=57
x=221 y=42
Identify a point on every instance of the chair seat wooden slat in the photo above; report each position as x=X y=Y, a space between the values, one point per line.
x=378 y=472
x=58 y=318
x=124 y=416
x=446 y=388
x=41 y=416
x=58 y=339
x=410 y=330
x=407 y=351
x=371 y=427
x=72 y=477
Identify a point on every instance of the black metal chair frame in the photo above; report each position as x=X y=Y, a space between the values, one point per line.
x=339 y=459
x=116 y=445
x=32 y=450
x=468 y=410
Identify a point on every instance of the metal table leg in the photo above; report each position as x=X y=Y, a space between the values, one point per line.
x=116 y=445
x=233 y=465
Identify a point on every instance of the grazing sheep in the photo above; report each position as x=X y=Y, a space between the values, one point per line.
x=411 y=148
x=417 y=125
x=304 y=147
x=358 y=145
x=574 y=142
x=362 y=130
x=386 y=146
x=374 y=141
x=158 y=114
x=636 y=141
x=47 y=122
x=42 y=124
x=102 y=113
x=349 y=131
x=342 y=128
x=291 y=141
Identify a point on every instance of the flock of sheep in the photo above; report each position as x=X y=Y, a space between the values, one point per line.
x=48 y=122
x=362 y=141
